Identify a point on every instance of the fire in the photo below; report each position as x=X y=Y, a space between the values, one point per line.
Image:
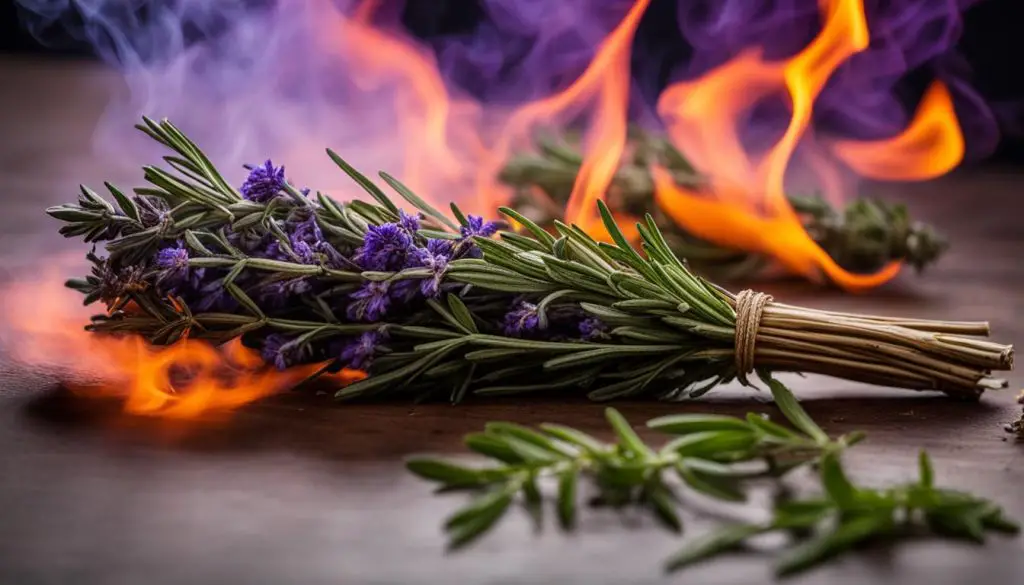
x=148 y=379
x=745 y=204
x=453 y=143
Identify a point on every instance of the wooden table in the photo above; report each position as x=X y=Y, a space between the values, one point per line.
x=290 y=491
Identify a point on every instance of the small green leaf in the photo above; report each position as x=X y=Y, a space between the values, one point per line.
x=530 y=436
x=663 y=504
x=716 y=486
x=835 y=482
x=924 y=465
x=795 y=413
x=445 y=472
x=575 y=437
x=628 y=437
x=722 y=540
x=682 y=424
x=461 y=312
x=712 y=444
x=493 y=446
x=477 y=517
x=770 y=428
x=417 y=201
x=459 y=216
x=567 y=497
x=363 y=182
x=842 y=538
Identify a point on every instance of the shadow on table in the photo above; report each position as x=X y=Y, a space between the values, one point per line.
x=313 y=425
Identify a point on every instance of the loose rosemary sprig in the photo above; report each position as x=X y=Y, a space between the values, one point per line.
x=711 y=454
x=717 y=456
x=862 y=237
x=845 y=516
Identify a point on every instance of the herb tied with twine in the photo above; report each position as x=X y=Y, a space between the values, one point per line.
x=431 y=306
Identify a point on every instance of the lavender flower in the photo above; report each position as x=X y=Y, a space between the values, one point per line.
x=116 y=281
x=264 y=182
x=212 y=296
x=385 y=247
x=304 y=252
x=175 y=273
x=409 y=223
x=593 y=329
x=358 y=354
x=434 y=256
x=282 y=351
x=370 y=302
x=476 y=226
x=521 y=321
x=275 y=295
x=306 y=230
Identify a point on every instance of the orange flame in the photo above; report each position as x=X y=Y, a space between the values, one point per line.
x=744 y=205
x=218 y=379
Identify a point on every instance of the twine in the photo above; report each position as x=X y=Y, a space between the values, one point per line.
x=749 y=308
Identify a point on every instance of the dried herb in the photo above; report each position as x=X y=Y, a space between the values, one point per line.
x=431 y=306
x=862 y=238
x=712 y=454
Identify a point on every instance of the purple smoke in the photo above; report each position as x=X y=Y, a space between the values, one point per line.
x=256 y=79
x=867 y=96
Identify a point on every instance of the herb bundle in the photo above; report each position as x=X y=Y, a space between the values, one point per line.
x=721 y=457
x=432 y=306
x=862 y=238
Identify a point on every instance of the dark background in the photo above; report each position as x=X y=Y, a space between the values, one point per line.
x=992 y=42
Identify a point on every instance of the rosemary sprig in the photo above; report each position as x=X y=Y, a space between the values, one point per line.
x=845 y=516
x=431 y=306
x=862 y=237
x=711 y=455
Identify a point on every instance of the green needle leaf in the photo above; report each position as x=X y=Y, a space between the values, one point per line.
x=477 y=517
x=567 y=497
x=795 y=413
x=445 y=472
x=925 y=471
x=630 y=440
x=682 y=424
x=722 y=540
x=845 y=536
x=835 y=482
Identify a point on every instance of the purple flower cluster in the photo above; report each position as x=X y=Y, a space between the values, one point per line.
x=299 y=239
x=264 y=182
x=564 y=322
x=359 y=353
x=391 y=247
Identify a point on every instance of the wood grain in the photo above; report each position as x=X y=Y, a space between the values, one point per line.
x=295 y=490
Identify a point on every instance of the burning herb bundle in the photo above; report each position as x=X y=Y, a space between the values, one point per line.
x=862 y=238
x=721 y=457
x=429 y=305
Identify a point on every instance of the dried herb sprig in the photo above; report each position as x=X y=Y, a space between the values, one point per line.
x=863 y=237
x=711 y=455
x=433 y=306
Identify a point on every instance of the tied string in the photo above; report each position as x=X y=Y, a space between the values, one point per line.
x=749 y=308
